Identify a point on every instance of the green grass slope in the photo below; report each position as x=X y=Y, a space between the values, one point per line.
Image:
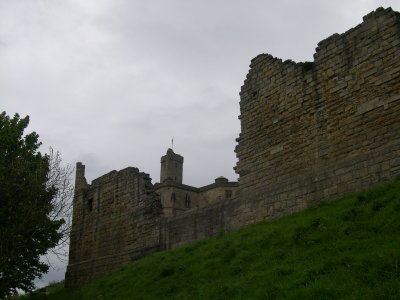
x=346 y=249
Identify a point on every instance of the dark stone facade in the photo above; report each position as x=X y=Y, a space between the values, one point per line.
x=116 y=220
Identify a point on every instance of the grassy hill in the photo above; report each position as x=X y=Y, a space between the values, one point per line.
x=346 y=249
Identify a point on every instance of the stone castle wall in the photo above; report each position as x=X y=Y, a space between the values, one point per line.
x=116 y=220
x=319 y=130
x=310 y=132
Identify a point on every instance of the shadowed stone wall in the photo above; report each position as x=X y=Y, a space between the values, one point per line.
x=116 y=220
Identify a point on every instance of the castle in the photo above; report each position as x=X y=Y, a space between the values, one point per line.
x=310 y=132
x=177 y=198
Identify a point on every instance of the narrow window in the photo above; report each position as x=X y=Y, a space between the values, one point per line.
x=228 y=194
x=90 y=205
x=187 y=201
x=173 y=197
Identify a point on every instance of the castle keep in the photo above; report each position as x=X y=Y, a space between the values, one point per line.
x=310 y=132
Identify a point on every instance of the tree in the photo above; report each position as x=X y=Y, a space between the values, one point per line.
x=59 y=177
x=31 y=223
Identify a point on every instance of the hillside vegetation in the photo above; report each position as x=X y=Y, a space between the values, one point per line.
x=346 y=249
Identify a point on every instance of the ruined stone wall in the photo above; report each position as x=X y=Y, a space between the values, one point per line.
x=116 y=220
x=309 y=132
x=199 y=224
x=317 y=131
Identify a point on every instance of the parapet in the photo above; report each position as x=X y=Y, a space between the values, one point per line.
x=333 y=46
x=171 y=155
x=338 y=42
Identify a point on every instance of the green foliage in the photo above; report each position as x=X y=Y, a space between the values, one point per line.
x=26 y=231
x=346 y=249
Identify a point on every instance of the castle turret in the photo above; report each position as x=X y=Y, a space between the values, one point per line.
x=80 y=180
x=171 y=167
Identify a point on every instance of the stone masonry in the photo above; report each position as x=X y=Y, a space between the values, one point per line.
x=121 y=216
x=310 y=132
x=116 y=219
x=319 y=130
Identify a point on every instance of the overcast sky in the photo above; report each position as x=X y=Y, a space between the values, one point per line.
x=110 y=82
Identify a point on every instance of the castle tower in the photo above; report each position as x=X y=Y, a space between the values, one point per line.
x=171 y=167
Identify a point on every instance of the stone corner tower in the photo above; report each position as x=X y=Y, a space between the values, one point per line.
x=171 y=167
